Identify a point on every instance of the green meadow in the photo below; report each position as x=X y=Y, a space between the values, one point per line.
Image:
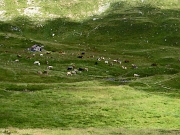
x=142 y=36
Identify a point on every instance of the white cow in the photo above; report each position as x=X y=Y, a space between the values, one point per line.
x=50 y=67
x=123 y=67
x=136 y=75
x=16 y=60
x=106 y=62
x=69 y=73
x=37 y=62
x=86 y=69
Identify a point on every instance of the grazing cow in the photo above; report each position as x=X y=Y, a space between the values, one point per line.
x=76 y=70
x=41 y=54
x=19 y=56
x=115 y=60
x=99 y=59
x=106 y=62
x=134 y=66
x=61 y=52
x=80 y=56
x=28 y=57
x=81 y=69
x=83 y=53
x=136 y=75
x=39 y=72
x=85 y=69
x=154 y=64
x=126 y=61
x=70 y=68
x=16 y=60
x=73 y=72
x=119 y=62
x=48 y=52
x=45 y=72
x=123 y=67
x=37 y=62
x=50 y=67
x=69 y=73
x=111 y=64
x=102 y=58
x=92 y=56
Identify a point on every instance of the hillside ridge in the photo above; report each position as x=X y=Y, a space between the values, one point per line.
x=75 y=9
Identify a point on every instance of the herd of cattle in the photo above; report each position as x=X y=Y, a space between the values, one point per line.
x=72 y=70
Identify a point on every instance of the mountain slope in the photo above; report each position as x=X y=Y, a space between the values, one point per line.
x=74 y=9
x=139 y=32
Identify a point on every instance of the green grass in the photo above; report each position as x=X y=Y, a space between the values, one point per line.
x=92 y=106
x=106 y=99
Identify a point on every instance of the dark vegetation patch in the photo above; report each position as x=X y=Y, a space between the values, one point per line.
x=26 y=88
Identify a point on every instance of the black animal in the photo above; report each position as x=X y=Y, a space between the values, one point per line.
x=126 y=61
x=96 y=63
x=154 y=64
x=81 y=69
x=70 y=68
x=80 y=56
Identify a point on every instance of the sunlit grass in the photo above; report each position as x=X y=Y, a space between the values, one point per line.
x=89 y=106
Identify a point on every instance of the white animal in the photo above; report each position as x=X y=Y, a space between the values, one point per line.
x=119 y=62
x=106 y=62
x=123 y=67
x=86 y=69
x=102 y=58
x=41 y=54
x=50 y=67
x=134 y=66
x=99 y=59
x=136 y=75
x=16 y=60
x=37 y=62
x=69 y=73
x=115 y=60
x=73 y=72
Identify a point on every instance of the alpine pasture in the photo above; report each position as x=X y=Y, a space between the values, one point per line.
x=89 y=67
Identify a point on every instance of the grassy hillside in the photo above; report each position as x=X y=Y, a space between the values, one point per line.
x=144 y=33
x=74 y=9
